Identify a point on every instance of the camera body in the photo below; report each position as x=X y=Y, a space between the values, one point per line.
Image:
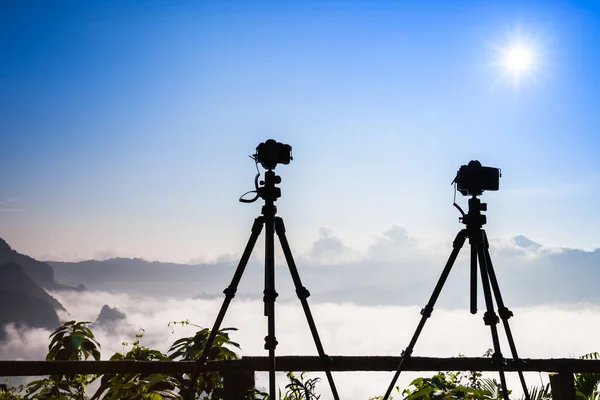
x=271 y=153
x=473 y=179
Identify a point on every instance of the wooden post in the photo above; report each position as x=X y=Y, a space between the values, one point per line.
x=236 y=384
x=562 y=385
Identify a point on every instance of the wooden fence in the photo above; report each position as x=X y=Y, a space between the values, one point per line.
x=238 y=375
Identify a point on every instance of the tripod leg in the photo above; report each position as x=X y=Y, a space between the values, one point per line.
x=303 y=294
x=270 y=295
x=490 y=318
x=504 y=313
x=428 y=309
x=473 y=280
x=229 y=295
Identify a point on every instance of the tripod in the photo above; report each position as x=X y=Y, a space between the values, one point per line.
x=273 y=224
x=478 y=240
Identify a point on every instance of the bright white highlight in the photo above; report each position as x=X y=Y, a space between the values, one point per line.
x=518 y=59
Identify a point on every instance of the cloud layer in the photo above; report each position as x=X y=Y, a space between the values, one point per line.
x=345 y=329
x=364 y=303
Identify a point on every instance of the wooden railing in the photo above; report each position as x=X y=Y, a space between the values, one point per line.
x=238 y=375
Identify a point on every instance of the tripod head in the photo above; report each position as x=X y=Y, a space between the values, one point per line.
x=265 y=189
x=268 y=191
x=473 y=218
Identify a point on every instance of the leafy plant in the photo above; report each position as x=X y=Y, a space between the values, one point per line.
x=451 y=385
x=587 y=385
x=72 y=341
x=190 y=348
x=10 y=393
x=539 y=393
x=302 y=388
x=138 y=386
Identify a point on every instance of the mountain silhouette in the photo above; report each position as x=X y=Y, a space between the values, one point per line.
x=109 y=315
x=524 y=242
x=139 y=276
x=24 y=302
x=40 y=272
x=13 y=278
x=112 y=319
x=529 y=274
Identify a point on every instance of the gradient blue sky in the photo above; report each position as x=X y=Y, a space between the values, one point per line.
x=126 y=126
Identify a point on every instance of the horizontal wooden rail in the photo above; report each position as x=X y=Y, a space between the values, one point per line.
x=294 y=363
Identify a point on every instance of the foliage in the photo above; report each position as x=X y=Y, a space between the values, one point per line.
x=72 y=341
x=301 y=388
x=134 y=386
x=539 y=393
x=462 y=385
x=453 y=385
x=75 y=341
x=587 y=385
x=158 y=386
x=8 y=392
x=190 y=348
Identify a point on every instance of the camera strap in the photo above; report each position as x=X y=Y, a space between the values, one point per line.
x=252 y=200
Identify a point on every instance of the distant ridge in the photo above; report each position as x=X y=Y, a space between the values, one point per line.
x=24 y=302
x=13 y=278
x=524 y=242
x=394 y=279
x=40 y=272
x=139 y=276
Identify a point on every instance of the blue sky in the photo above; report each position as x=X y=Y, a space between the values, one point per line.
x=126 y=126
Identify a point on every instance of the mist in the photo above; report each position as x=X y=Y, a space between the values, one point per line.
x=364 y=303
x=395 y=269
x=344 y=328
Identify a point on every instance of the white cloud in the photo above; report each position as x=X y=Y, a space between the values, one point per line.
x=345 y=329
x=329 y=249
x=24 y=343
x=523 y=249
x=396 y=246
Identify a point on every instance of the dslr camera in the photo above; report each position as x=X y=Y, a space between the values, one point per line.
x=473 y=178
x=271 y=153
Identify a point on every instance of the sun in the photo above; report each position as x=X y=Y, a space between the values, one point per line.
x=517 y=57
x=517 y=60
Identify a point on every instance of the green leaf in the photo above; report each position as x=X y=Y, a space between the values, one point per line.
x=421 y=394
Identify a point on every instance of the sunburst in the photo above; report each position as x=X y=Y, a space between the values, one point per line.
x=518 y=57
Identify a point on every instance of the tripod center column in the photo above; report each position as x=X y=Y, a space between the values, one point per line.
x=270 y=193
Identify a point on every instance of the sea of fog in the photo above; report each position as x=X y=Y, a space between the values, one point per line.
x=345 y=329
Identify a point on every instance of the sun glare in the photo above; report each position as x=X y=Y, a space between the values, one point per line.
x=517 y=57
